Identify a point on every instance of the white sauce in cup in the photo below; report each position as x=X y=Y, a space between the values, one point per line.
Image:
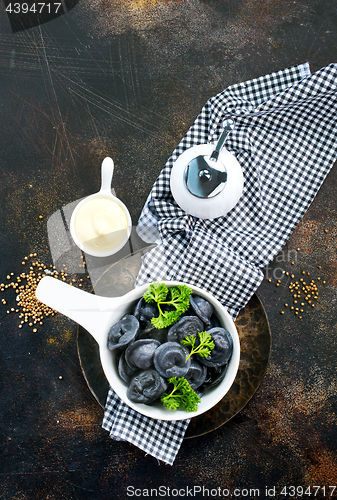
x=101 y=224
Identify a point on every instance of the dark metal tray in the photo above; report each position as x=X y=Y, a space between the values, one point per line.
x=255 y=342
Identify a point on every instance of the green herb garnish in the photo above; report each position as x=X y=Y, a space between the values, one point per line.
x=181 y=396
x=179 y=299
x=205 y=346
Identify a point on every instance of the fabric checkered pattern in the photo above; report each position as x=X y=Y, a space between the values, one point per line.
x=159 y=438
x=285 y=141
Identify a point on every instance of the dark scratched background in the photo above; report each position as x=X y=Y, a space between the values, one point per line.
x=126 y=78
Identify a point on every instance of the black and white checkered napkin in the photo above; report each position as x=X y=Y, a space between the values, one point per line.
x=285 y=139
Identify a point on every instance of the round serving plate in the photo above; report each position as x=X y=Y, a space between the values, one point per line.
x=255 y=342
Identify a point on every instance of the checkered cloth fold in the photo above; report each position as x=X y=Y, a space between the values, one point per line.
x=159 y=438
x=285 y=141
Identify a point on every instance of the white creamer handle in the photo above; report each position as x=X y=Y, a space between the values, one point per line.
x=107 y=171
x=95 y=313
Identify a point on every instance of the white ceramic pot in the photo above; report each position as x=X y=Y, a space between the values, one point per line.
x=215 y=206
x=97 y=314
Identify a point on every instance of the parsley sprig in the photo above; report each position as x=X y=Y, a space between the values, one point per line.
x=176 y=297
x=181 y=396
x=204 y=347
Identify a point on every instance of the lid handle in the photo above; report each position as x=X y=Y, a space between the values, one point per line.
x=228 y=126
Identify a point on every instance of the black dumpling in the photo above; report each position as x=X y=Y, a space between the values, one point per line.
x=170 y=360
x=146 y=387
x=151 y=332
x=202 y=308
x=186 y=326
x=215 y=375
x=139 y=354
x=124 y=370
x=144 y=311
x=223 y=348
x=196 y=374
x=213 y=322
x=123 y=332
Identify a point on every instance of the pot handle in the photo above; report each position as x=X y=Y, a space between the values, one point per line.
x=95 y=313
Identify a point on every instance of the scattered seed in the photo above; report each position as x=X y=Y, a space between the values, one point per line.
x=29 y=309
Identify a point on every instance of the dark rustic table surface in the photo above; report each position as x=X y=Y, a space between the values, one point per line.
x=126 y=79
